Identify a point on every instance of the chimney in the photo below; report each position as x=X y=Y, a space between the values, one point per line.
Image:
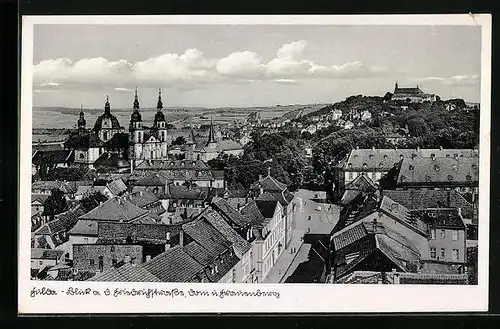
x=260 y=178
x=440 y=148
x=261 y=189
x=395 y=276
x=127 y=259
x=373 y=148
x=131 y=166
x=148 y=258
x=459 y=211
x=418 y=148
x=140 y=193
x=433 y=156
x=181 y=238
x=238 y=206
x=357 y=147
x=268 y=171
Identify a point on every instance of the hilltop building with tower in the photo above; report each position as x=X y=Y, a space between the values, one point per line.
x=412 y=95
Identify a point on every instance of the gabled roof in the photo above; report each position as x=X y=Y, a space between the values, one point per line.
x=363 y=183
x=151 y=180
x=85 y=227
x=115 y=209
x=41 y=198
x=440 y=218
x=385 y=159
x=205 y=234
x=174 y=265
x=414 y=199
x=199 y=253
x=228 y=212
x=56 y=156
x=125 y=273
x=464 y=170
x=62 y=222
x=269 y=183
x=403 y=216
x=240 y=245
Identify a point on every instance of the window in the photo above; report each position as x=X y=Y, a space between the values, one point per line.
x=91 y=262
x=132 y=260
x=433 y=234
x=454 y=235
x=443 y=253
x=113 y=262
x=40 y=262
x=432 y=253
x=86 y=240
x=81 y=156
x=442 y=234
x=455 y=254
x=113 y=248
x=350 y=174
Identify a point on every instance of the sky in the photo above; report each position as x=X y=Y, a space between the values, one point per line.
x=248 y=65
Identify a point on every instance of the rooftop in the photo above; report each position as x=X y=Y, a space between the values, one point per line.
x=115 y=209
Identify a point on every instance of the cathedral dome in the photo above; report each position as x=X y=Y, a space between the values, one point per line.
x=107 y=115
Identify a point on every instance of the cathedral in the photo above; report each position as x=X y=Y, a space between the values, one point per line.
x=108 y=144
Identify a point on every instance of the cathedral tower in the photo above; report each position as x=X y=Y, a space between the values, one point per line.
x=82 y=124
x=136 y=131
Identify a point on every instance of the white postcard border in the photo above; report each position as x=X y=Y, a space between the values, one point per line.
x=296 y=298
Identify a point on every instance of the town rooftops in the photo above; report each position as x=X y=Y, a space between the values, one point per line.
x=240 y=245
x=83 y=142
x=232 y=215
x=187 y=192
x=40 y=198
x=56 y=156
x=142 y=198
x=174 y=265
x=172 y=165
x=151 y=180
x=37 y=253
x=208 y=236
x=136 y=233
x=115 y=209
x=385 y=159
x=448 y=218
x=445 y=171
x=62 y=222
x=268 y=183
x=85 y=228
x=414 y=199
x=125 y=273
x=111 y=160
x=399 y=250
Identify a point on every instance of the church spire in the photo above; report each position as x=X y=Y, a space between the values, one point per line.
x=211 y=134
x=107 y=108
x=136 y=100
x=159 y=105
x=81 y=122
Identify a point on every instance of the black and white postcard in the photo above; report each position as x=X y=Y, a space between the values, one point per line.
x=254 y=164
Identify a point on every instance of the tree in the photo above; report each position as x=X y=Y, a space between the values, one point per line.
x=179 y=141
x=55 y=204
x=388 y=96
x=216 y=164
x=93 y=200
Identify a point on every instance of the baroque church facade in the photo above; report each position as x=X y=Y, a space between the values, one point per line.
x=108 y=143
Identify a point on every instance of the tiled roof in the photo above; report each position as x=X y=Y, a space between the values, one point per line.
x=269 y=183
x=115 y=209
x=174 y=265
x=225 y=209
x=252 y=211
x=189 y=193
x=46 y=185
x=125 y=273
x=151 y=180
x=408 y=91
x=38 y=253
x=362 y=183
x=228 y=145
x=39 y=197
x=348 y=235
x=463 y=170
x=85 y=227
x=142 y=198
x=85 y=142
x=85 y=190
x=187 y=174
x=62 y=222
x=240 y=245
x=117 y=187
x=267 y=207
x=385 y=159
x=440 y=218
x=57 y=156
x=402 y=214
x=349 y=195
x=421 y=199
x=206 y=235
x=149 y=233
x=200 y=254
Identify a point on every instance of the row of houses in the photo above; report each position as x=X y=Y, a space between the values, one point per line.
x=125 y=239
x=408 y=216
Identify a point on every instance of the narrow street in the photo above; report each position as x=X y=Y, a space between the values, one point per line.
x=311 y=218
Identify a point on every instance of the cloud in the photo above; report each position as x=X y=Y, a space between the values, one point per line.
x=193 y=70
x=456 y=80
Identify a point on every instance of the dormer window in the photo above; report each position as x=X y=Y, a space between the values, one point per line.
x=365 y=165
x=355 y=156
x=436 y=167
x=450 y=178
x=468 y=178
x=412 y=167
x=380 y=164
x=385 y=156
x=403 y=178
x=349 y=165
